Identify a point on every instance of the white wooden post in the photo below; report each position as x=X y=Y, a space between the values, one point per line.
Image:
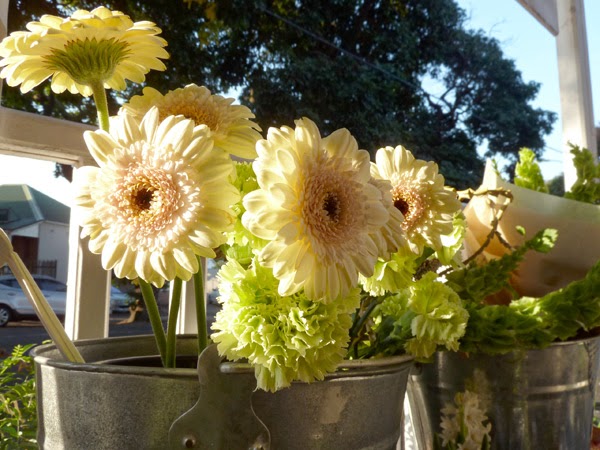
x=186 y=320
x=565 y=19
x=575 y=85
x=34 y=136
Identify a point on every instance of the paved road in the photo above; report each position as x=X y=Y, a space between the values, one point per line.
x=32 y=332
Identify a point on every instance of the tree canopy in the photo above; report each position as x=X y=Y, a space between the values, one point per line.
x=393 y=72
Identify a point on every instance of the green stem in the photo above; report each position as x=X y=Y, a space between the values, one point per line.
x=154 y=316
x=172 y=322
x=100 y=99
x=355 y=331
x=200 y=308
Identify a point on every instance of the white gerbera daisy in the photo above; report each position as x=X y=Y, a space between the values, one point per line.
x=317 y=208
x=89 y=48
x=229 y=125
x=419 y=193
x=159 y=197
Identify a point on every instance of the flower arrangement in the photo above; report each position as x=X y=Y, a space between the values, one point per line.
x=328 y=255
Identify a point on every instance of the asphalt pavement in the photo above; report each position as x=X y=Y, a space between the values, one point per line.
x=32 y=331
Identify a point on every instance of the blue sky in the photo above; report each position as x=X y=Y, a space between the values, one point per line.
x=533 y=49
x=521 y=37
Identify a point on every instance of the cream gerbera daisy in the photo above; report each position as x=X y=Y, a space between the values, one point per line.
x=230 y=125
x=100 y=47
x=419 y=192
x=317 y=208
x=159 y=197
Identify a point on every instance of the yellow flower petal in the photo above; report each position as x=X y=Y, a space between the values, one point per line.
x=316 y=201
x=419 y=193
x=149 y=209
x=229 y=126
x=100 y=46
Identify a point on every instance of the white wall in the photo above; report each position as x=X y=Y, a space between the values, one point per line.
x=54 y=244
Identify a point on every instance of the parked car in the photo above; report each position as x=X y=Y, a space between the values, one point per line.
x=14 y=304
x=119 y=301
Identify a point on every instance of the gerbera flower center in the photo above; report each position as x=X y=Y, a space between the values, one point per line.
x=147 y=207
x=412 y=204
x=142 y=198
x=200 y=114
x=88 y=61
x=331 y=206
x=327 y=208
x=402 y=205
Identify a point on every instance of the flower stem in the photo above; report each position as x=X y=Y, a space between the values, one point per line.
x=154 y=316
x=359 y=322
x=172 y=322
x=101 y=104
x=200 y=308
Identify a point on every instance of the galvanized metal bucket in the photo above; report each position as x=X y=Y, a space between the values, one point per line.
x=535 y=399
x=103 y=405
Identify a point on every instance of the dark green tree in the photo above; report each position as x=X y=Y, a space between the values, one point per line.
x=372 y=67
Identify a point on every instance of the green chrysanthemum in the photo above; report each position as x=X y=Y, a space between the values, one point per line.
x=392 y=275
x=230 y=126
x=241 y=244
x=452 y=242
x=100 y=47
x=440 y=317
x=286 y=338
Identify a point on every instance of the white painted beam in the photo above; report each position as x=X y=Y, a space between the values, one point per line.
x=544 y=11
x=31 y=135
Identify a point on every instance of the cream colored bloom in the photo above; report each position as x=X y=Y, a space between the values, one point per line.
x=464 y=424
x=317 y=208
x=230 y=125
x=100 y=46
x=160 y=197
x=419 y=193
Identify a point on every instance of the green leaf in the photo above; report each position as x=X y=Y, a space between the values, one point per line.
x=587 y=187
x=528 y=173
x=535 y=323
x=475 y=282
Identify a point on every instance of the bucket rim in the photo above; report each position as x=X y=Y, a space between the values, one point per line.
x=565 y=343
x=357 y=367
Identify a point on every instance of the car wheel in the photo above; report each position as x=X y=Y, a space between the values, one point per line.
x=5 y=315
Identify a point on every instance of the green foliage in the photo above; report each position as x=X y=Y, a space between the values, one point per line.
x=18 y=419
x=294 y=58
x=475 y=282
x=535 y=323
x=587 y=187
x=528 y=173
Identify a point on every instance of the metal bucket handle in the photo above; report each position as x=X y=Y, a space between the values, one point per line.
x=223 y=417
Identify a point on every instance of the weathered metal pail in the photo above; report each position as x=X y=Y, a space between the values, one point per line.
x=101 y=405
x=534 y=399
